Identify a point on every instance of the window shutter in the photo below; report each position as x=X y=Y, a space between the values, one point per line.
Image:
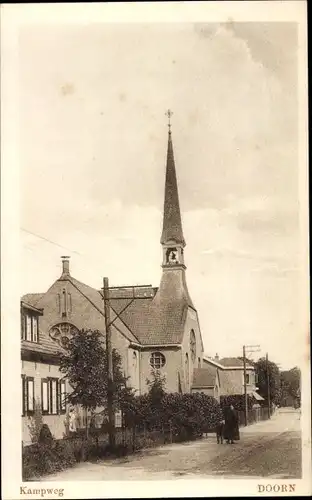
x=23 y=395
x=45 y=396
x=30 y=394
x=62 y=392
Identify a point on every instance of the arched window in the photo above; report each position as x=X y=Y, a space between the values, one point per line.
x=157 y=360
x=134 y=359
x=187 y=370
x=62 y=332
x=193 y=345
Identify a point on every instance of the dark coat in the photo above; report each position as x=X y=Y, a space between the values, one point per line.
x=231 y=427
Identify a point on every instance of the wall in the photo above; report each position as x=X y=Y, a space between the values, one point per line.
x=209 y=391
x=191 y=323
x=170 y=370
x=83 y=315
x=39 y=371
x=133 y=369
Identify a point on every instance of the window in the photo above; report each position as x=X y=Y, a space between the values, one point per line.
x=187 y=369
x=198 y=362
x=193 y=345
x=64 y=311
x=28 y=395
x=62 y=332
x=34 y=321
x=30 y=328
x=247 y=378
x=157 y=360
x=53 y=396
x=62 y=396
x=134 y=360
x=23 y=395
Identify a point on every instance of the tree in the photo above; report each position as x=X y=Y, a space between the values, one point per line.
x=156 y=387
x=262 y=367
x=84 y=365
x=291 y=386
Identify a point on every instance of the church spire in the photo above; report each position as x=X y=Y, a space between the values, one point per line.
x=172 y=224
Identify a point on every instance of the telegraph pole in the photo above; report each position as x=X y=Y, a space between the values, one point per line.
x=268 y=384
x=138 y=292
x=245 y=386
x=111 y=416
x=249 y=349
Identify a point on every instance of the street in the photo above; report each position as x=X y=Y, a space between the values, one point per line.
x=267 y=449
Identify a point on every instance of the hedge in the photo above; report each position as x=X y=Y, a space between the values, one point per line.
x=189 y=415
x=238 y=401
x=40 y=459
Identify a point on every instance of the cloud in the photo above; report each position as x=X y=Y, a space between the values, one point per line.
x=93 y=164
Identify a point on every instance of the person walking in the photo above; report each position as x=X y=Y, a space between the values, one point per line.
x=231 y=425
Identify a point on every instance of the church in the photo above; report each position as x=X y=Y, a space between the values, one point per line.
x=154 y=328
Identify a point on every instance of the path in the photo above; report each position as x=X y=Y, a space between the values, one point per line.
x=266 y=449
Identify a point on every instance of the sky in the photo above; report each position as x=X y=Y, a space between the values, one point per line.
x=92 y=147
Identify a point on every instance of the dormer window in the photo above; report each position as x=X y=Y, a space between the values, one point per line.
x=30 y=327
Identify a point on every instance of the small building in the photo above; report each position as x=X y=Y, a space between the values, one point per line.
x=207 y=380
x=227 y=377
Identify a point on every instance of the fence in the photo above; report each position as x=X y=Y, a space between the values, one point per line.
x=254 y=415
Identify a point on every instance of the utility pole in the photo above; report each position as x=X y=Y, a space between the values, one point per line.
x=268 y=384
x=138 y=292
x=245 y=387
x=111 y=416
x=249 y=349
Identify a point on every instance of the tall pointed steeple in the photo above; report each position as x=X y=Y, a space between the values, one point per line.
x=172 y=224
x=172 y=292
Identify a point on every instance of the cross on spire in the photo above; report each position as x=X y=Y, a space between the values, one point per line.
x=169 y=114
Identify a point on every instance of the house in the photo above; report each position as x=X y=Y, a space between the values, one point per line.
x=207 y=380
x=41 y=380
x=231 y=376
x=152 y=329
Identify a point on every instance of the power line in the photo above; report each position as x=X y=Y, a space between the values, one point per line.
x=49 y=241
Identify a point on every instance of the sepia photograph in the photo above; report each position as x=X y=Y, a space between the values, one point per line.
x=160 y=273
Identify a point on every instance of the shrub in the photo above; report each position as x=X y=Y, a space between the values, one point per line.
x=45 y=435
x=238 y=401
x=48 y=457
x=35 y=423
x=188 y=415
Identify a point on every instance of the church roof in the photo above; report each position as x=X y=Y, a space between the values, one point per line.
x=204 y=377
x=172 y=224
x=153 y=322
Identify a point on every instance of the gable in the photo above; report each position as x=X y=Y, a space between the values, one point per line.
x=204 y=377
x=85 y=311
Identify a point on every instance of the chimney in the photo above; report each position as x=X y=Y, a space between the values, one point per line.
x=65 y=264
x=217 y=357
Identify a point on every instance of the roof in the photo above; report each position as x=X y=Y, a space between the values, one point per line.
x=172 y=224
x=230 y=382
x=210 y=361
x=204 y=377
x=32 y=298
x=257 y=396
x=45 y=345
x=32 y=308
x=96 y=298
x=233 y=363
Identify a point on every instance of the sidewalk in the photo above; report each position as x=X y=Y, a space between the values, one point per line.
x=279 y=422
